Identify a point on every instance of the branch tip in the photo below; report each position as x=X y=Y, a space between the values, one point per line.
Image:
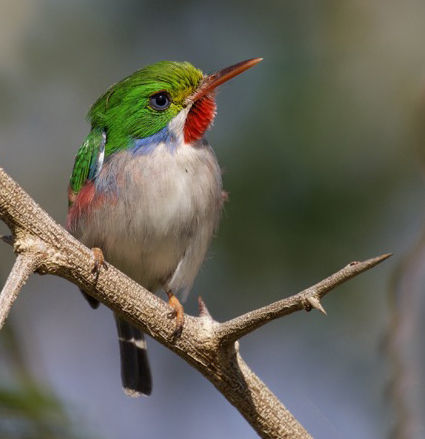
x=375 y=261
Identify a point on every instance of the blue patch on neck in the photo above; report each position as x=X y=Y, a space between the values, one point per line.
x=148 y=145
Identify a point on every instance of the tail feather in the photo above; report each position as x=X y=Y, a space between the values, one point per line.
x=135 y=370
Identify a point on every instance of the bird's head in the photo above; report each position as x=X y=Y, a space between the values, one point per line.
x=173 y=94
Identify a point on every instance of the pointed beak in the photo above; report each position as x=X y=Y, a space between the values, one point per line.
x=211 y=82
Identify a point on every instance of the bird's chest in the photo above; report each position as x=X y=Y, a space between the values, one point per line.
x=153 y=204
x=164 y=192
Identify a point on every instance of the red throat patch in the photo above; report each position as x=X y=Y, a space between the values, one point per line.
x=199 y=118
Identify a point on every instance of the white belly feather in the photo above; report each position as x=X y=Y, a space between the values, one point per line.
x=167 y=206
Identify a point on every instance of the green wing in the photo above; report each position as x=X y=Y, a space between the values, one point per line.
x=88 y=162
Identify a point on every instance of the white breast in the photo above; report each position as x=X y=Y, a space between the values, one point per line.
x=166 y=206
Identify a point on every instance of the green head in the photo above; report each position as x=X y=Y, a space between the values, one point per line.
x=148 y=100
x=132 y=108
x=173 y=94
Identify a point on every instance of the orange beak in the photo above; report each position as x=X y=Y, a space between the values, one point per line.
x=211 y=82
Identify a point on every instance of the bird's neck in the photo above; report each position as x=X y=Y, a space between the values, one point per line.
x=172 y=135
x=148 y=144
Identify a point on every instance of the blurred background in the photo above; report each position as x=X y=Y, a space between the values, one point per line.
x=321 y=146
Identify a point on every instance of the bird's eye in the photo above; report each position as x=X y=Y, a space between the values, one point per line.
x=160 y=101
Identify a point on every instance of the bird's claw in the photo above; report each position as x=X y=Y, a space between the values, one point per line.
x=99 y=260
x=177 y=332
x=177 y=313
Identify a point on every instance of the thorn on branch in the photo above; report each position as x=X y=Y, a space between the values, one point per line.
x=8 y=239
x=203 y=310
x=314 y=302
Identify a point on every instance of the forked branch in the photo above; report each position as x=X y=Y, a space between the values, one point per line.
x=45 y=247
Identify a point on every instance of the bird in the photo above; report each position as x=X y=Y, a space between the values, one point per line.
x=146 y=192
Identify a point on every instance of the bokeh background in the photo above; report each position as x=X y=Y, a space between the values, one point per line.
x=321 y=150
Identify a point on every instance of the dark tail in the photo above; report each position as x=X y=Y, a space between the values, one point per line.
x=135 y=370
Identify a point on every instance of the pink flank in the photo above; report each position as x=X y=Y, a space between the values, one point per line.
x=83 y=202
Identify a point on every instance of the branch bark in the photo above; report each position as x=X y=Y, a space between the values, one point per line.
x=211 y=347
x=24 y=266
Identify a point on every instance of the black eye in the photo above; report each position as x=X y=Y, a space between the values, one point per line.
x=160 y=101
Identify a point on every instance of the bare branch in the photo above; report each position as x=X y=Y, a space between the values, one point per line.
x=204 y=343
x=24 y=266
x=234 y=329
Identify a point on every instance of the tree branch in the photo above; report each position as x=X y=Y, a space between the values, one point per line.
x=204 y=343
x=236 y=328
x=24 y=266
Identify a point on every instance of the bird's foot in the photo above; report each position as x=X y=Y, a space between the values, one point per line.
x=99 y=260
x=177 y=313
